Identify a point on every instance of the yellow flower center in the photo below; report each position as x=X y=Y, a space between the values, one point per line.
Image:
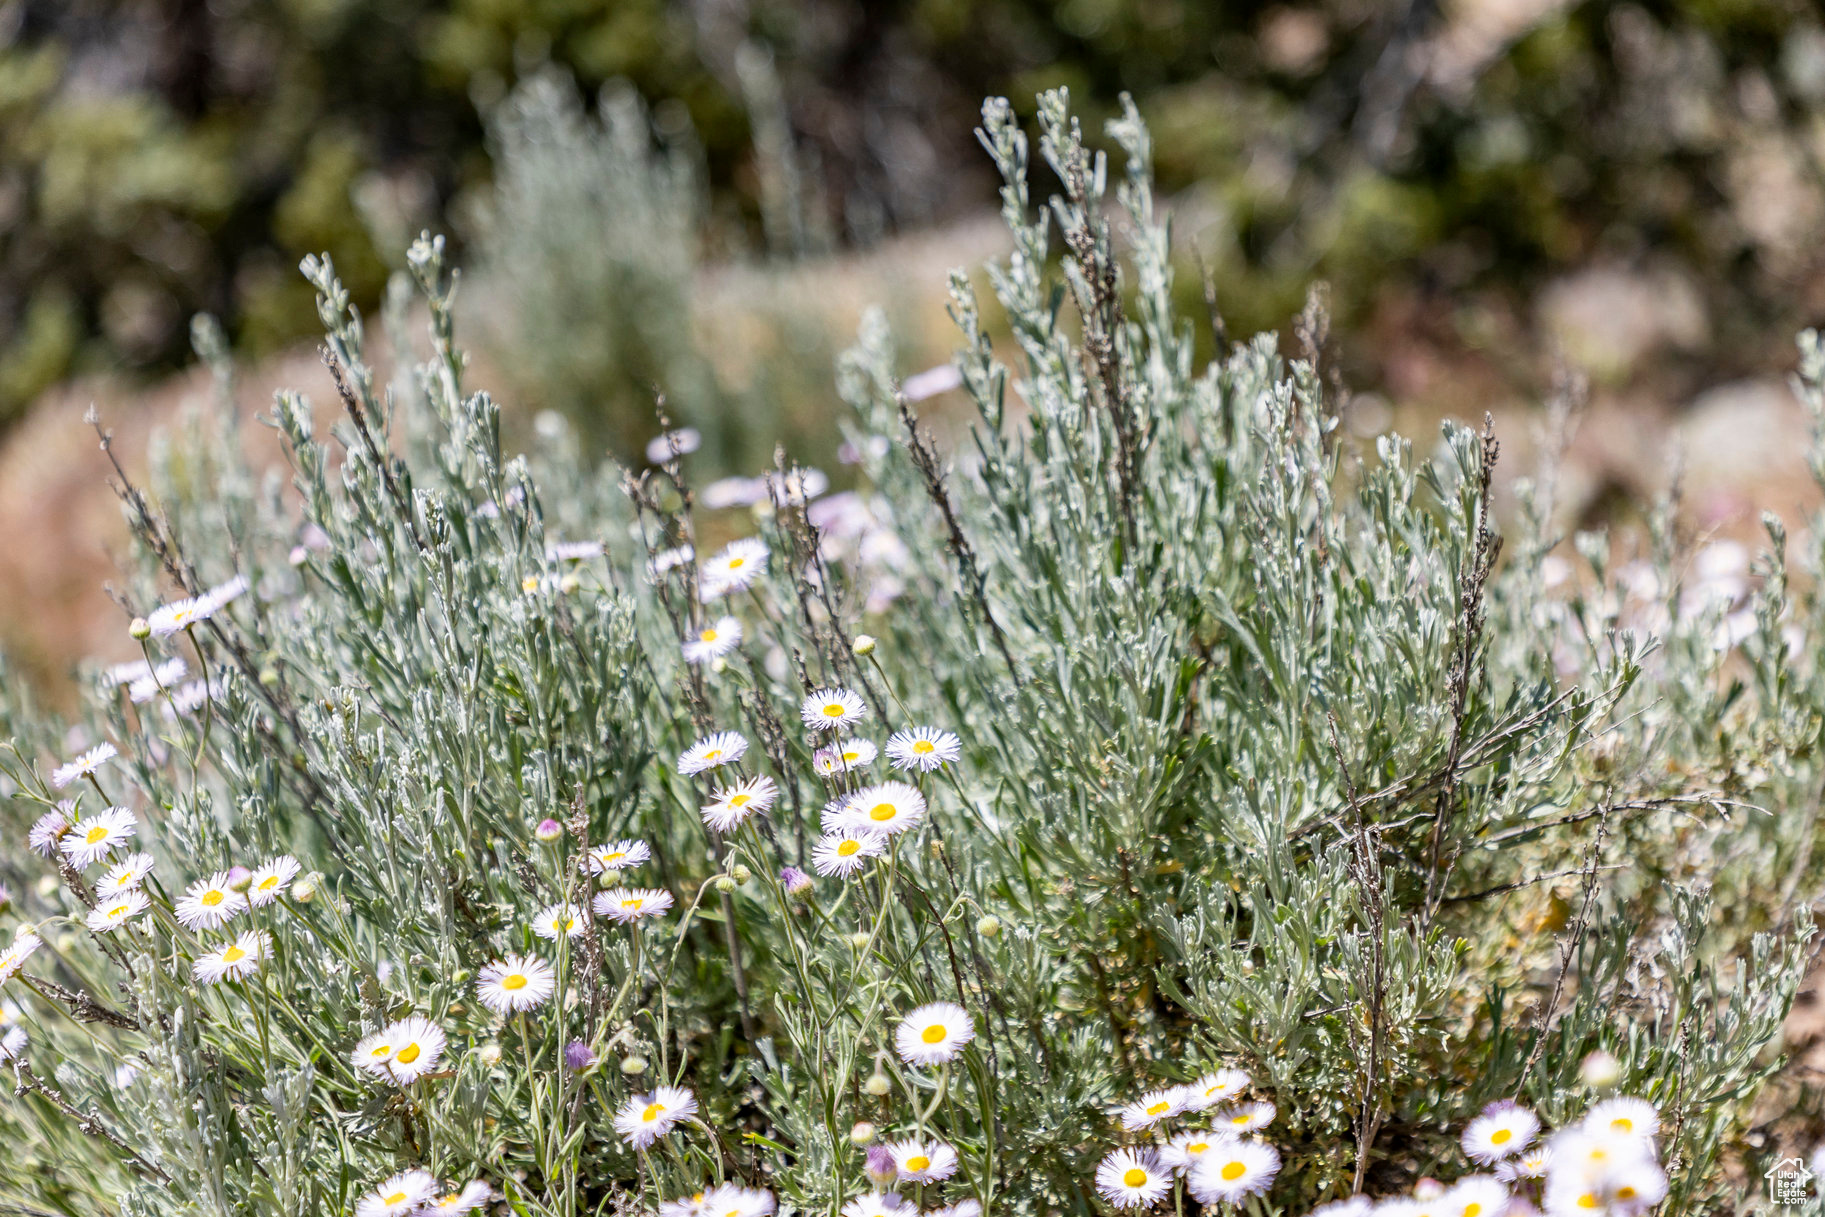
x=408 y=1054
x=98 y=833
x=882 y=812
x=1589 y=1201
x=653 y=1112
x=213 y=898
x=1501 y=1136
x=514 y=982
x=713 y=754
x=918 y=1162
x=1621 y=1124
x=707 y=636
x=933 y=1033
x=119 y=910
x=395 y=1198
x=1241 y=1119
x=834 y=710
x=529 y=584
x=740 y=800
x=1197 y=1147
x=1625 y=1192
x=851 y=754
x=233 y=955
x=268 y=883
x=737 y=563
x=632 y=902
x=1157 y=1108
x=848 y=848
x=380 y=1051
x=565 y=925
x=1135 y=1177
x=613 y=856
x=923 y=746
x=1233 y=1171
x=1473 y=1209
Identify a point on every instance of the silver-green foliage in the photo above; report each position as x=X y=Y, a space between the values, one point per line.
x=1269 y=759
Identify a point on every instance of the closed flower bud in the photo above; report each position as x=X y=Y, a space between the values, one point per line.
x=1600 y=1070
x=569 y=585
x=862 y=1133
x=633 y=1066
x=548 y=830
x=877 y=1085
x=988 y=927
x=880 y=1164
x=578 y=1056
x=269 y=677
x=725 y=884
x=795 y=881
x=140 y=630
x=490 y=1053
x=239 y=878
x=863 y=645
x=858 y=941
x=305 y=890
x=741 y=874
x=6 y=898
x=299 y=555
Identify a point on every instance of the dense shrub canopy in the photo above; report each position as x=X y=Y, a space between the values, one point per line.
x=1248 y=750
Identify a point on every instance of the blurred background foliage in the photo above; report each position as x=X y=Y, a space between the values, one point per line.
x=1636 y=184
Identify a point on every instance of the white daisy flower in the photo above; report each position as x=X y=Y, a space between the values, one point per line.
x=84 y=765
x=124 y=673
x=843 y=756
x=963 y=1208
x=1531 y=1164
x=722 y=748
x=732 y=492
x=832 y=709
x=923 y=1161
x=1474 y=1196
x=1187 y=1147
x=1502 y=1129
x=373 y=1052
x=733 y=1200
x=168 y=619
x=233 y=960
x=572 y=551
x=1213 y=1088
x=93 y=836
x=831 y=818
x=625 y=905
x=415 y=1046
x=934 y=1034
x=271 y=880
x=922 y=748
x=667 y=444
x=116 y=911
x=1245 y=1117
x=844 y=853
x=669 y=559
x=518 y=982
x=738 y=565
x=795 y=486
x=13 y=958
x=209 y=904
x=1232 y=1170
x=190 y=698
x=738 y=802
x=124 y=875
x=398 y=1195
x=878 y=1204
x=1152 y=1107
x=1622 y=1116
x=471 y=1196
x=890 y=807
x=1351 y=1206
x=13 y=1044
x=1637 y=1186
x=558 y=921
x=1132 y=1179
x=156 y=680
x=49 y=830
x=615 y=858
x=713 y=641
x=694 y=1205
x=644 y=1118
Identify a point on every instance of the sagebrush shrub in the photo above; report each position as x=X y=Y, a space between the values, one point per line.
x=1156 y=801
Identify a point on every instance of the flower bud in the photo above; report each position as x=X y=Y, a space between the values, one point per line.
x=6 y=898
x=795 y=881
x=490 y=1053
x=269 y=677
x=863 y=645
x=140 y=629
x=741 y=874
x=578 y=1056
x=858 y=941
x=880 y=1163
x=298 y=555
x=1600 y=1070
x=548 y=830
x=569 y=585
x=988 y=927
x=239 y=878
x=877 y=1085
x=633 y=1066
x=725 y=884
x=305 y=890
x=862 y=1133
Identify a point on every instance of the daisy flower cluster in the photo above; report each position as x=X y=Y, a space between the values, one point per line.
x=1216 y=1157
x=417 y=1193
